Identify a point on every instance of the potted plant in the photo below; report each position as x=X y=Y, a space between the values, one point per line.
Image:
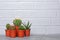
x=7 y=31
x=21 y=31
x=17 y=23
x=27 y=26
x=13 y=31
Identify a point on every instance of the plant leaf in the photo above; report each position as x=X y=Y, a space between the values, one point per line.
x=30 y=25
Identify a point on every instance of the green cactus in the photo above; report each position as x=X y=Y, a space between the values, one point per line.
x=22 y=27
x=8 y=26
x=12 y=28
x=17 y=22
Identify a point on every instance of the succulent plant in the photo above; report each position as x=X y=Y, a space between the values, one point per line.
x=28 y=25
x=8 y=26
x=22 y=27
x=17 y=22
x=12 y=27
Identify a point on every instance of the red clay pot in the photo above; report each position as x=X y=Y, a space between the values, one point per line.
x=21 y=33
x=17 y=27
x=13 y=33
x=27 y=32
x=7 y=32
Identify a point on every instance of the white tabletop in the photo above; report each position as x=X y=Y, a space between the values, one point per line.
x=33 y=37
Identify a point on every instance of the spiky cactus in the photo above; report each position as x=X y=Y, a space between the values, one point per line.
x=12 y=27
x=17 y=22
x=22 y=27
x=8 y=26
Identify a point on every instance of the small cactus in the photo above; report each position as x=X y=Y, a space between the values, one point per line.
x=8 y=26
x=12 y=27
x=22 y=27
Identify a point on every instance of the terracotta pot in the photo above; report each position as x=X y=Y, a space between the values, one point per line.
x=17 y=27
x=13 y=33
x=21 y=33
x=7 y=32
x=27 y=32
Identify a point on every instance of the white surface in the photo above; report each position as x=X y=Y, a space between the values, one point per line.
x=33 y=37
x=43 y=14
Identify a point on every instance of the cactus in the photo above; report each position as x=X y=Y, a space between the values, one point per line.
x=8 y=26
x=12 y=27
x=22 y=27
x=17 y=22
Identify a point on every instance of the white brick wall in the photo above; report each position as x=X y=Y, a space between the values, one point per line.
x=43 y=14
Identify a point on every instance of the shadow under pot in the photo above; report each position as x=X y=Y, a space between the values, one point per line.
x=13 y=34
x=21 y=33
x=7 y=33
x=27 y=32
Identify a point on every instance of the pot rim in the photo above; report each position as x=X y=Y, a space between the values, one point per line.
x=21 y=30
x=6 y=29
x=28 y=29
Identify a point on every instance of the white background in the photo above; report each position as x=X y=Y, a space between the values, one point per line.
x=43 y=14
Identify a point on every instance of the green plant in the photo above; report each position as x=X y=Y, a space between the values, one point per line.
x=8 y=26
x=17 y=22
x=28 y=25
x=12 y=28
x=22 y=27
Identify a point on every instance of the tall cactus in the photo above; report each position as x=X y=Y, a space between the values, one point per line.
x=17 y=22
